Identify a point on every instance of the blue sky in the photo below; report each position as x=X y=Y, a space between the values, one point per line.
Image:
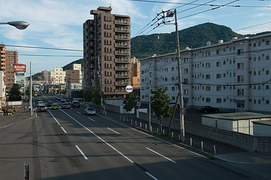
x=58 y=23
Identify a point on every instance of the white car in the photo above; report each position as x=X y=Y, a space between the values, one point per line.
x=90 y=110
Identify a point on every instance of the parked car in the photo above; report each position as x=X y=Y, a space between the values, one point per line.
x=66 y=106
x=208 y=109
x=90 y=110
x=75 y=103
x=54 y=106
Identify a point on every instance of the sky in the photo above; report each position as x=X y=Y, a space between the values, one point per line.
x=59 y=23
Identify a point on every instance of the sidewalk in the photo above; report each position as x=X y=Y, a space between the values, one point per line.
x=224 y=152
x=245 y=158
x=20 y=115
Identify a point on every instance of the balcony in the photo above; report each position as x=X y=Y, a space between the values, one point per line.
x=121 y=83
x=123 y=38
x=122 y=30
x=121 y=76
x=119 y=60
x=122 y=53
x=120 y=45
x=118 y=68
x=122 y=22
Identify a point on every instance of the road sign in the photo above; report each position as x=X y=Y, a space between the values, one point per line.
x=129 y=88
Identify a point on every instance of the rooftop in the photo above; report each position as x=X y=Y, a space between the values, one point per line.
x=239 y=116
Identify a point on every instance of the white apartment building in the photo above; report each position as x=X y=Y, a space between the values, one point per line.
x=234 y=75
x=57 y=76
x=2 y=89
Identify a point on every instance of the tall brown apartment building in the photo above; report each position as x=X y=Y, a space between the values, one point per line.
x=8 y=60
x=107 y=52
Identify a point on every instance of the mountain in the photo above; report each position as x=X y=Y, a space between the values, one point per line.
x=193 y=37
x=69 y=66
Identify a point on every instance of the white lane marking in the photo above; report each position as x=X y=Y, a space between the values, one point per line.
x=81 y=152
x=91 y=119
x=64 y=130
x=79 y=112
x=161 y=155
x=99 y=137
x=149 y=174
x=153 y=136
x=54 y=118
x=113 y=130
x=36 y=114
x=190 y=151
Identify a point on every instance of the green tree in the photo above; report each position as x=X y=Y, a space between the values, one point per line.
x=130 y=102
x=160 y=105
x=93 y=95
x=14 y=93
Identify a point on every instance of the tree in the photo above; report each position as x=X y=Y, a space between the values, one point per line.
x=93 y=95
x=14 y=93
x=160 y=105
x=130 y=102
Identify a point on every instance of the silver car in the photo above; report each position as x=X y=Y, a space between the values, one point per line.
x=90 y=111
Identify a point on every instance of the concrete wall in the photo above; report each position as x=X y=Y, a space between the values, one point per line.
x=261 y=130
x=244 y=141
x=117 y=109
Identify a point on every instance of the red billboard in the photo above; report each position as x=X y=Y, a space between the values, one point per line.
x=19 y=68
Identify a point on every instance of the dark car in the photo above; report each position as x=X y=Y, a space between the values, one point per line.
x=208 y=109
x=50 y=103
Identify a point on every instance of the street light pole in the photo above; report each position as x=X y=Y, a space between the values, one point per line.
x=182 y=129
x=30 y=89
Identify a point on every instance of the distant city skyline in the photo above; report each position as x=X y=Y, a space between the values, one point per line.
x=59 y=24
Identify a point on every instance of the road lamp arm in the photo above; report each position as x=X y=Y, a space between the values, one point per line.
x=18 y=24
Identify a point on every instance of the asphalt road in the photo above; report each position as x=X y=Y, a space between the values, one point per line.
x=66 y=144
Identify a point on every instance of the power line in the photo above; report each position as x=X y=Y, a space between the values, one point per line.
x=47 y=55
x=37 y=47
x=252 y=26
x=217 y=5
x=208 y=10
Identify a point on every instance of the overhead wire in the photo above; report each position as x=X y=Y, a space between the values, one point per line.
x=234 y=6
x=39 y=47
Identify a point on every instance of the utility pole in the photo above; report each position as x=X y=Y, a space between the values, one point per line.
x=150 y=126
x=182 y=129
x=30 y=93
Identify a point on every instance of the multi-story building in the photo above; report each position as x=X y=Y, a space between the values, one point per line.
x=73 y=79
x=107 y=52
x=45 y=76
x=57 y=76
x=11 y=60
x=8 y=60
x=234 y=75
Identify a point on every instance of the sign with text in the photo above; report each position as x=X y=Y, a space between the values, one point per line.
x=19 y=67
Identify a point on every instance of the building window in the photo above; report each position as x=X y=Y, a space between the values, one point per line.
x=218 y=100
x=218 y=76
x=208 y=100
x=218 y=88
x=240 y=92
x=240 y=78
x=208 y=76
x=240 y=66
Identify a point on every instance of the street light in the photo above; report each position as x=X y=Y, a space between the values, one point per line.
x=18 y=24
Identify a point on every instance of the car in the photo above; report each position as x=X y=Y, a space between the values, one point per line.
x=66 y=106
x=50 y=103
x=90 y=110
x=54 y=106
x=63 y=100
x=75 y=104
x=208 y=109
x=41 y=107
